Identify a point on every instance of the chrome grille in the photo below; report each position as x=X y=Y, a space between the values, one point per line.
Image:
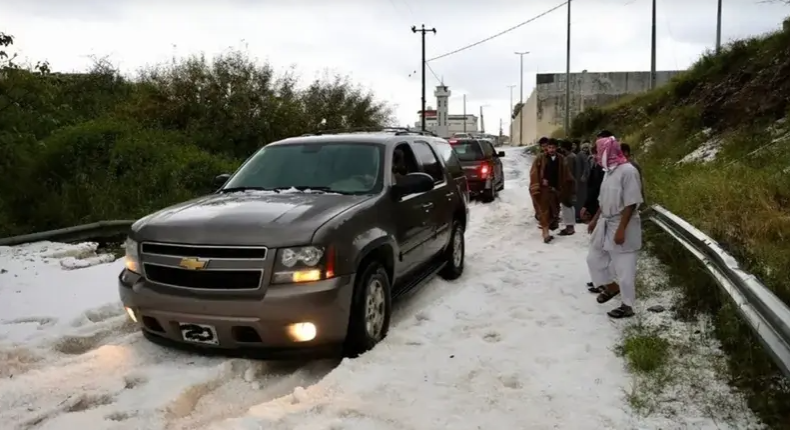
x=225 y=252
x=226 y=267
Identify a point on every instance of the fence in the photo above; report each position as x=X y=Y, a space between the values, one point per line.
x=768 y=317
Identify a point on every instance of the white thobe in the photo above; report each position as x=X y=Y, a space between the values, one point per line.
x=568 y=215
x=607 y=261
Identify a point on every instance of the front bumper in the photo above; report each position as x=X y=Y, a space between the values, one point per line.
x=244 y=323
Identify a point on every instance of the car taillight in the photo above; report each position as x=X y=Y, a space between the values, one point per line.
x=484 y=170
x=453 y=142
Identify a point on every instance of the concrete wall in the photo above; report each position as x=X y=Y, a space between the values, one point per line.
x=455 y=124
x=544 y=110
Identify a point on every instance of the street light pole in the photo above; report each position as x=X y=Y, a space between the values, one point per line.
x=653 y=50
x=521 y=96
x=464 y=113
x=567 y=124
x=718 y=29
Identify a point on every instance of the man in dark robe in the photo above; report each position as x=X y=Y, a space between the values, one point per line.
x=568 y=206
x=541 y=151
x=550 y=183
x=585 y=159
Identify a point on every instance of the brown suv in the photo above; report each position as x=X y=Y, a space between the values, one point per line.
x=482 y=165
x=303 y=249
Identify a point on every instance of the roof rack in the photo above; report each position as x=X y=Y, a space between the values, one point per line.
x=399 y=131
x=416 y=132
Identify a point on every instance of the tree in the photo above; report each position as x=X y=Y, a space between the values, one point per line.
x=98 y=145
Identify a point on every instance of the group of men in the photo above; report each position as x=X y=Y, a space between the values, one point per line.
x=601 y=185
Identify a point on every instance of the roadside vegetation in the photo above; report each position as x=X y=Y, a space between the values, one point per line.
x=714 y=144
x=82 y=147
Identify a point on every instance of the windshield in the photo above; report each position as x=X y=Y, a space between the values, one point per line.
x=345 y=168
x=468 y=151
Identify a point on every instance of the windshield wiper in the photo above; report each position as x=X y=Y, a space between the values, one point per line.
x=311 y=188
x=319 y=188
x=238 y=189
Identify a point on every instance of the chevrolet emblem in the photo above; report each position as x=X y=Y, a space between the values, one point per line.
x=194 y=263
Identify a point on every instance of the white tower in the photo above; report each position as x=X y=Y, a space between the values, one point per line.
x=442 y=94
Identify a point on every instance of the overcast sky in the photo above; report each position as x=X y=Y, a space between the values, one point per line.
x=371 y=40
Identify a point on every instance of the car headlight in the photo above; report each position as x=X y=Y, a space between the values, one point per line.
x=303 y=264
x=307 y=255
x=132 y=257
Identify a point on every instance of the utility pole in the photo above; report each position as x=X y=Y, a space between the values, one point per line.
x=521 y=96
x=423 y=30
x=464 y=113
x=482 y=123
x=567 y=124
x=718 y=29
x=512 y=117
x=511 y=98
x=653 y=50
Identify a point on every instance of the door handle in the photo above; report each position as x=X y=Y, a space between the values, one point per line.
x=427 y=205
x=450 y=194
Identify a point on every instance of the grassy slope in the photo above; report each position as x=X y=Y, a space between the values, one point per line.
x=736 y=102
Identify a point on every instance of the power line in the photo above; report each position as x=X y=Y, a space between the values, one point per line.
x=500 y=33
x=434 y=73
x=411 y=12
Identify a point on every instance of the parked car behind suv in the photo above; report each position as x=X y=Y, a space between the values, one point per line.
x=303 y=248
x=482 y=166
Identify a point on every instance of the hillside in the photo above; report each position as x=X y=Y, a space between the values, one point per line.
x=715 y=148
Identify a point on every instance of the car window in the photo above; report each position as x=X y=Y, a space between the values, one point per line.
x=403 y=161
x=428 y=161
x=348 y=168
x=488 y=150
x=450 y=159
x=468 y=150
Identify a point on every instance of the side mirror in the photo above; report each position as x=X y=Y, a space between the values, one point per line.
x=500 y=154
x=413 y=183
x=221 y=179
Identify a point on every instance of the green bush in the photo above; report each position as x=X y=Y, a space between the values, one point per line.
x=96 y=145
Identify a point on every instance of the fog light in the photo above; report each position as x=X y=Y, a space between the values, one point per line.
x=131 y=314
x=302 y=332
x=307 y=276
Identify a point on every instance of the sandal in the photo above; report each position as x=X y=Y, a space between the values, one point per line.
x=607 y=295
x=622 y=311
x=595 y=290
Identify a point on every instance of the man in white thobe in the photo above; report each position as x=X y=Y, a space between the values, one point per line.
x=616 y=230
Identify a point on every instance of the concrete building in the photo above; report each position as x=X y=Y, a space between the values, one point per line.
x=440 y=121
x=544 y=110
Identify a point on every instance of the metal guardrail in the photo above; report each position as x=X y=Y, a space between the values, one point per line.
x=767 y=316
x=80 y=233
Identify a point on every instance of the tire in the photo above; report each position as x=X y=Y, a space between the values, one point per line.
x=490 y=195
x=360 y=338
x=454 y=267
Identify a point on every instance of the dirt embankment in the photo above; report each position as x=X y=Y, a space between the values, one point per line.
x=715 y=147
